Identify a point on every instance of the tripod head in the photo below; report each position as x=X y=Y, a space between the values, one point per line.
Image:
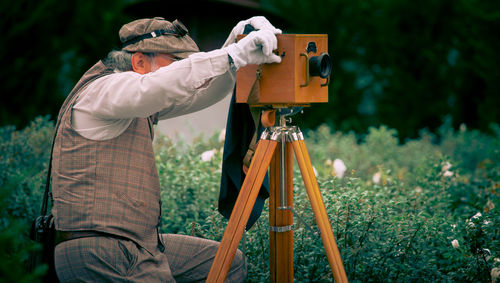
x=268 y=116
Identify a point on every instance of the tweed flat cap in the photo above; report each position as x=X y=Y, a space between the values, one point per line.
x=157 y=35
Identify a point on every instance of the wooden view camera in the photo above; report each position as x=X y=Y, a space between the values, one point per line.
x=301 y=78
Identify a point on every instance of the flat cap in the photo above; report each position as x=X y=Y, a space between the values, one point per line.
x=157 y=35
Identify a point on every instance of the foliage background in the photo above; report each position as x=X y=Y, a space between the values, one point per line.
x=404 y=64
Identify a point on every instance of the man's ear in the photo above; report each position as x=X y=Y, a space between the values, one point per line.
x=141 y=63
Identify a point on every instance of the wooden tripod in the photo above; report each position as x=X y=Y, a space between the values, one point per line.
x=280 y=163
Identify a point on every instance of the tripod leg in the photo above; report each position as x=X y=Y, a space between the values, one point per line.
x=242 y=209
x=281 y=217
x=319 y=210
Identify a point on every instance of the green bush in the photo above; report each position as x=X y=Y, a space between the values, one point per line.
x=399 y=226
x=424 y=210
x=189 y=184
x=23 y=168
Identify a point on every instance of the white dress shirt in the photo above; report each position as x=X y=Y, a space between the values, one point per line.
x=106 y=106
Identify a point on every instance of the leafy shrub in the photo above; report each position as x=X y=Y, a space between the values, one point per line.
x=15 y=249
x=24 y=163
x=398 y=227
x=189 y=183
x=423 y=210
x=23 y=168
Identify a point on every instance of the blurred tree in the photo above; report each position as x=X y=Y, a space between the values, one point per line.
x=404 y=64
x=46 y=45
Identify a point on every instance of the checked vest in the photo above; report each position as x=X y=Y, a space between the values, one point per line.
x=109 y=186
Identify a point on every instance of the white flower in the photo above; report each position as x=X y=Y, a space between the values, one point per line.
x=376 y=177
x=339 y=168
x=455 y=244
x=446 y=166
x=222 y=135
x=477 y=215
x=208 y=155
x=447 y=173
x=446 y=169
x=418 y=189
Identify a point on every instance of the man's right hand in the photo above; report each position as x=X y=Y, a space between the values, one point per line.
x=258 y=23
x=255 y=48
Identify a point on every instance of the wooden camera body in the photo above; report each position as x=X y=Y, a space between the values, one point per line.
x=301 y=78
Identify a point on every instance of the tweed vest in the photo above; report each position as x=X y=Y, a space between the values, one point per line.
x=110 y=185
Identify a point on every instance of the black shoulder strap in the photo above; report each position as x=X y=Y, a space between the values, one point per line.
x=45 y=201
x=47 y=186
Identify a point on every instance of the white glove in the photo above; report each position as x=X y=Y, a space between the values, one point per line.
x=258 y=22
x=255 y=48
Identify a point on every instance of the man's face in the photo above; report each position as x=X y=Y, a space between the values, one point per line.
x=161 y=60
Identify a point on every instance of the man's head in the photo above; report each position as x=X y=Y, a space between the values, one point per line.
x=155 y=43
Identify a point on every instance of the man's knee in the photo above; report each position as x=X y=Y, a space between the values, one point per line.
x=238 y=270
x=239 y=259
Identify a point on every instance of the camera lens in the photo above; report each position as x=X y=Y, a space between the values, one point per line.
x=320 y=66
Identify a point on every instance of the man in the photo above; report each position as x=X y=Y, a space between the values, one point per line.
x=105 y=185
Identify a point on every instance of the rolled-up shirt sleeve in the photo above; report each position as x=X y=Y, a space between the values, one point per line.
x=180 y=88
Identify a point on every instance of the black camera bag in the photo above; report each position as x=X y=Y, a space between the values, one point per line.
x=43 y=232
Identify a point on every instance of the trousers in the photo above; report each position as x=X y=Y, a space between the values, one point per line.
x=108 y=259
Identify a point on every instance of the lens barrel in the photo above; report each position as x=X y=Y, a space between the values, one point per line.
x=320 y=66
